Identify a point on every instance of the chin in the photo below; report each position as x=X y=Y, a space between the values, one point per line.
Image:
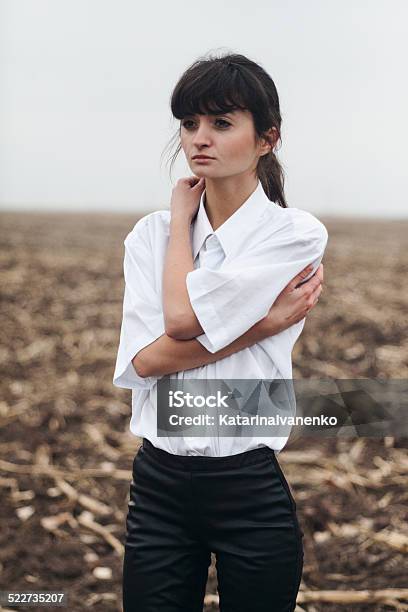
x=205 y=172
x=199 y=174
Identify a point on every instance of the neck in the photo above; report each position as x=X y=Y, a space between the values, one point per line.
x=224 y=196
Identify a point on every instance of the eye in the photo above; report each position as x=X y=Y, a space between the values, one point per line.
x=226 y=123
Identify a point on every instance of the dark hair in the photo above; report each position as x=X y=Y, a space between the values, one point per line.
x=219 y=84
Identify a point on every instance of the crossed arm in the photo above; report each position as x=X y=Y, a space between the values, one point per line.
x=167 y=355
x=177 y=349
x=180 y=320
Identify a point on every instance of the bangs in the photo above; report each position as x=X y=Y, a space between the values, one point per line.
x=217 y=85
x=210 y=90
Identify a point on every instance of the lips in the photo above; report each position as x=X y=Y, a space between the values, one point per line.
x=202 y=157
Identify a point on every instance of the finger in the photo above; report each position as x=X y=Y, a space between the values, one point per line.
x=308 y=287
x=313 y=286
x=200 y=183
x=316 y=296
x=316 y=277
x=316 y=282
x=188 y=180
x=301 y=276
x=318 y=292
x=192 y=180
x=319 y=272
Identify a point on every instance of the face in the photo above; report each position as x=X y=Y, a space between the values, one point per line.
x=228 y=139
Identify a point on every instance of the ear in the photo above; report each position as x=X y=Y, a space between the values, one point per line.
x=269 y=140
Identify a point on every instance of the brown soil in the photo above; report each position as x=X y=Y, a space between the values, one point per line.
x=65 y=447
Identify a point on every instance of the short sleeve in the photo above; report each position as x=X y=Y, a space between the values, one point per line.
x=142 y=318
x=230 y=300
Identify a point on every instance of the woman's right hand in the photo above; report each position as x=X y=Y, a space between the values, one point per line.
x=294 y=303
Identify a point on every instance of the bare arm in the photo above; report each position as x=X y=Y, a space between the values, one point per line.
x=179 y=318
x=167 y=355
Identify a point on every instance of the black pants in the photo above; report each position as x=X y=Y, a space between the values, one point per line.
x=183 y=507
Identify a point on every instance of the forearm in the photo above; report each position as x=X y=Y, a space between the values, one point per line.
x=178 y=262
x=167 y=355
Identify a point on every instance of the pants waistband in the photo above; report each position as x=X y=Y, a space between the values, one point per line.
x=191 y=462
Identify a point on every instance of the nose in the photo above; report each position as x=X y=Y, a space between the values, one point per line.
x=201 y=136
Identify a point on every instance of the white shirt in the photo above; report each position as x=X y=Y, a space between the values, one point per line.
x=239 y=271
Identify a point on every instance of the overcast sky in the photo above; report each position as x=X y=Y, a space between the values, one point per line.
x=85 y=89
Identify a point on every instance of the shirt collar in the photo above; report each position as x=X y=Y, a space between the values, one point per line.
x=232 y=232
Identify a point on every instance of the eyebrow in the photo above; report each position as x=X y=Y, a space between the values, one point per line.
x=212 y=114
x=227 y=113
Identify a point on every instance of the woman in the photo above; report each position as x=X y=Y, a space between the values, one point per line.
x=212 y=291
